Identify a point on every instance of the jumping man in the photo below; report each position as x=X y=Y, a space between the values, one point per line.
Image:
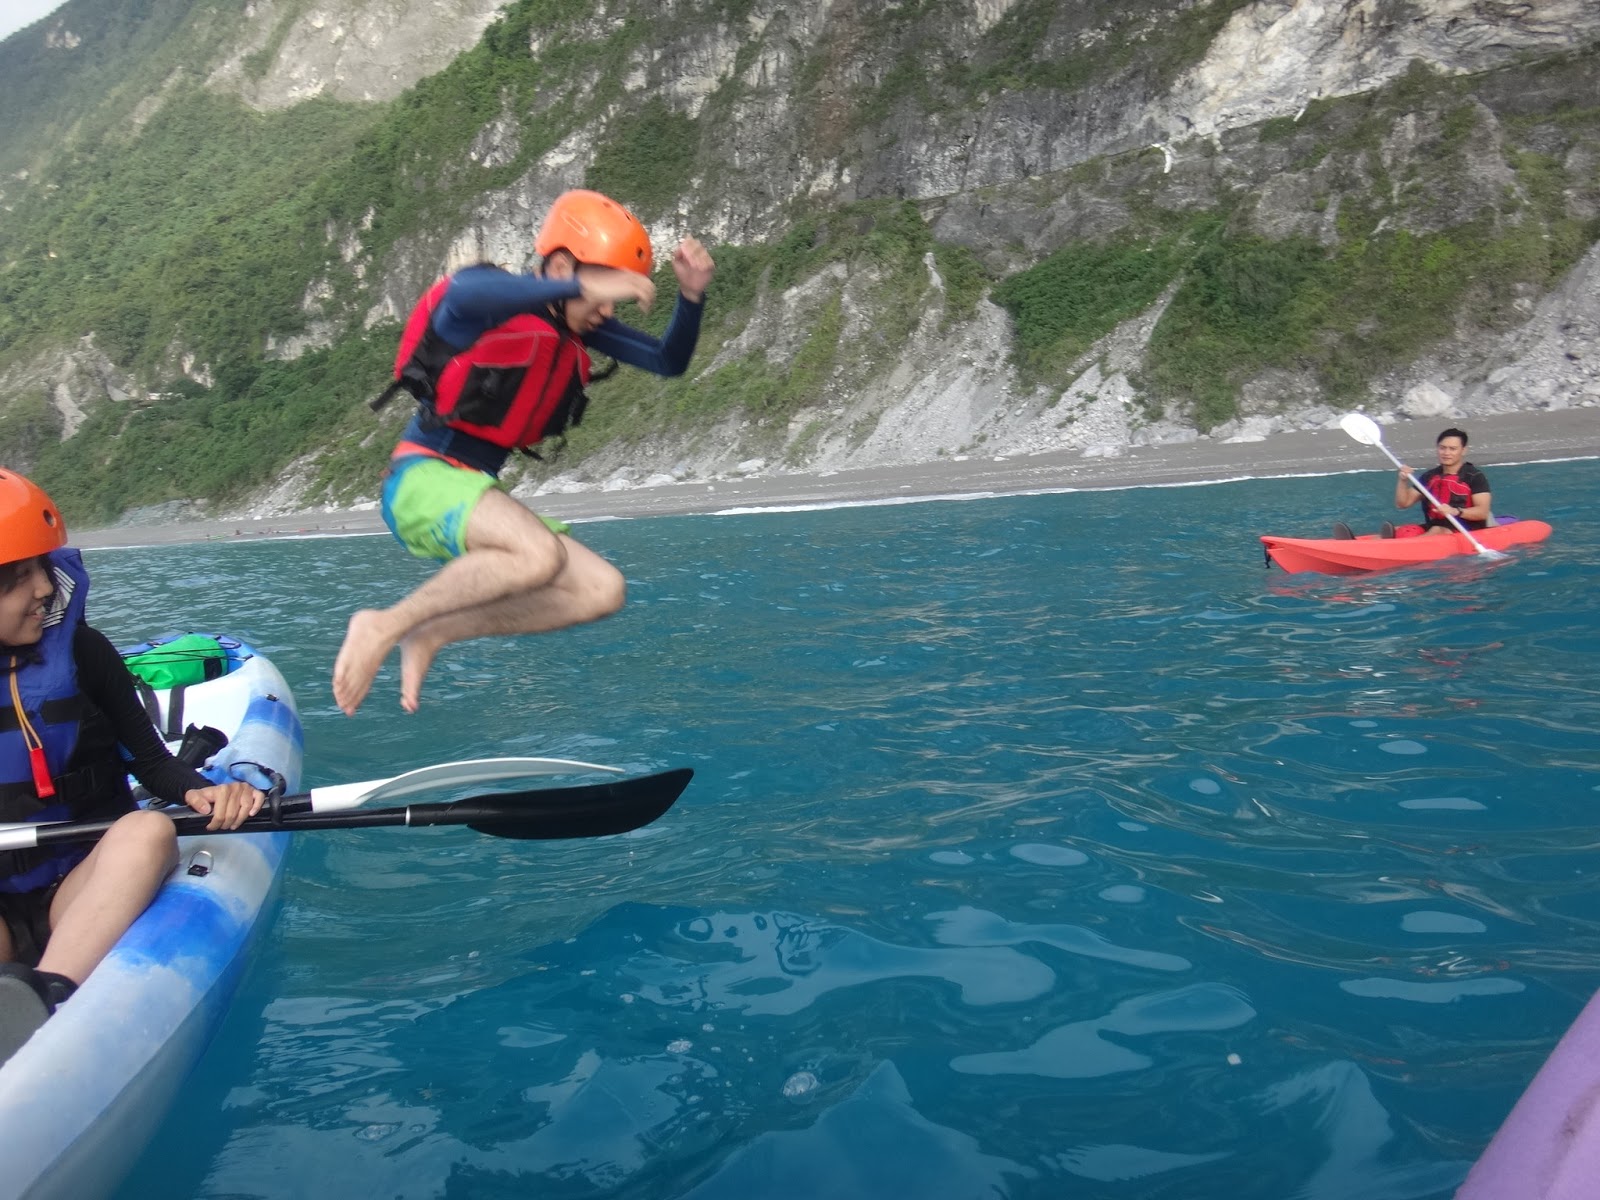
x=498 y=361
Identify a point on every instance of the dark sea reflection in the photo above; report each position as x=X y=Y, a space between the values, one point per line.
x=1038 y=847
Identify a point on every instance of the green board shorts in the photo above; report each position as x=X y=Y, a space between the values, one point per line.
x=427 y=502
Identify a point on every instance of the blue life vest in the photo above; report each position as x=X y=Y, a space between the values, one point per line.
x=79 y=776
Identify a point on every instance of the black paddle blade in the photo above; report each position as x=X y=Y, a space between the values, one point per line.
x=604 y=809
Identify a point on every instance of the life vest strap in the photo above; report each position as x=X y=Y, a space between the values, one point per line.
x=102 y=789
x=377 y=403
x=175 y=712
x=147 y=697
x=60 y=711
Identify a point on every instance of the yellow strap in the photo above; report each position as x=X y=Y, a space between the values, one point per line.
x=30 y=736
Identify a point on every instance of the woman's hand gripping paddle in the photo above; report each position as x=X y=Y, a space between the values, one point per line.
x=1365 y=430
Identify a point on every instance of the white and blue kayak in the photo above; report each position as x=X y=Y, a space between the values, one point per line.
x=79 y=1101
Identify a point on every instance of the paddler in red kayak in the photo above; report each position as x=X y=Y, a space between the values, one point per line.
x=1459 y=486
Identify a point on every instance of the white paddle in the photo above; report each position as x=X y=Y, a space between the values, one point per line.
x=1365 y=430
x=437 y=778
x=440 y=776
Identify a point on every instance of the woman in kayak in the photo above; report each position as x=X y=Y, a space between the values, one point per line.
x=68 y=705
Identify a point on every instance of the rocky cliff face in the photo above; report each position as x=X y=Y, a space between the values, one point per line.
x=843 y=100
x=1001 y=180
x=364 y=50
x=1275 y=58
x=1017 y=127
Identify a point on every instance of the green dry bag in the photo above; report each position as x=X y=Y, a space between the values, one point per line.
x=192 y=658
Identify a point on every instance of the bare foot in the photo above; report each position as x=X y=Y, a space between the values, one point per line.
x=366 y=644
x=416 y=656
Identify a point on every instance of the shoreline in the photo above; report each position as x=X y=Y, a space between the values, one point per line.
x=1507 y=439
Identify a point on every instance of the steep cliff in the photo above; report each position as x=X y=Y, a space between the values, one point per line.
x=941 y=224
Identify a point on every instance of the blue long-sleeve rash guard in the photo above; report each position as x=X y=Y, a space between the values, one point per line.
x=482 y=297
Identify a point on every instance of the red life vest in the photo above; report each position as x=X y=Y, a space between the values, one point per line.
x=1449 y=490
x=1452 y=491
x=520 y=382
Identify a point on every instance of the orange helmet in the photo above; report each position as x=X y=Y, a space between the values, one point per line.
x=595 y=229
x=29 y=523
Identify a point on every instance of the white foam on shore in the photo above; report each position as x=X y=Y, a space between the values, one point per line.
x=752 y=509
x=885 y=501
x=823 y=505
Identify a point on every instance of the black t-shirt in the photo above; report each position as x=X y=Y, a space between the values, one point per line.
x=104 y=679
x=1456 y=491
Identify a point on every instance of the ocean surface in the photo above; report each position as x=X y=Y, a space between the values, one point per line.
x=1041 y=846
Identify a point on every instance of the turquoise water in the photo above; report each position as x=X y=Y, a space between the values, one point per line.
x=1038 y=847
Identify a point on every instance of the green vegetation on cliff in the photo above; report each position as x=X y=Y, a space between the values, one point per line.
x=223 y=441
x=882 y=245
x=76 y=92
x=202 y=232
x=1367 y=300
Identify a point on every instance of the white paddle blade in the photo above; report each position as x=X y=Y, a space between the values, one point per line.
x=445 y=776
x=1363 y=428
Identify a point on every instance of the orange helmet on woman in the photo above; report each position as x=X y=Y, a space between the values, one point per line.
x=30 y=524
x=595 y=229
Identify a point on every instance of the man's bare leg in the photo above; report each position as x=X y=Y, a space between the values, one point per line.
x=587 y=589
x=509 y=551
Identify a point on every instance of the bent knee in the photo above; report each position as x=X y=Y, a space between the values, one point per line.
x=145 y=833
x=538 y=560
x=609 y=593
x=596 y=591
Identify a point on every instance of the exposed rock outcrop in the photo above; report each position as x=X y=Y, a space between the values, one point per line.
x=72 y=380
x=368 y=50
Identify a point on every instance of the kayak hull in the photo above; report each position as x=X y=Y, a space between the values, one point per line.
x=1354 y=556
x=1549 y=1147
x=81 y=1099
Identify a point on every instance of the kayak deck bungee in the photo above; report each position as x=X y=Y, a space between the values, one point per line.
x=81 y=1099
x=1353 y=556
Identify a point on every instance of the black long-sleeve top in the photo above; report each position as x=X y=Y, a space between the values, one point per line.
x=104 y=679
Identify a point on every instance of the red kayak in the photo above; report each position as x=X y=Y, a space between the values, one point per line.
x=1351 y=556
